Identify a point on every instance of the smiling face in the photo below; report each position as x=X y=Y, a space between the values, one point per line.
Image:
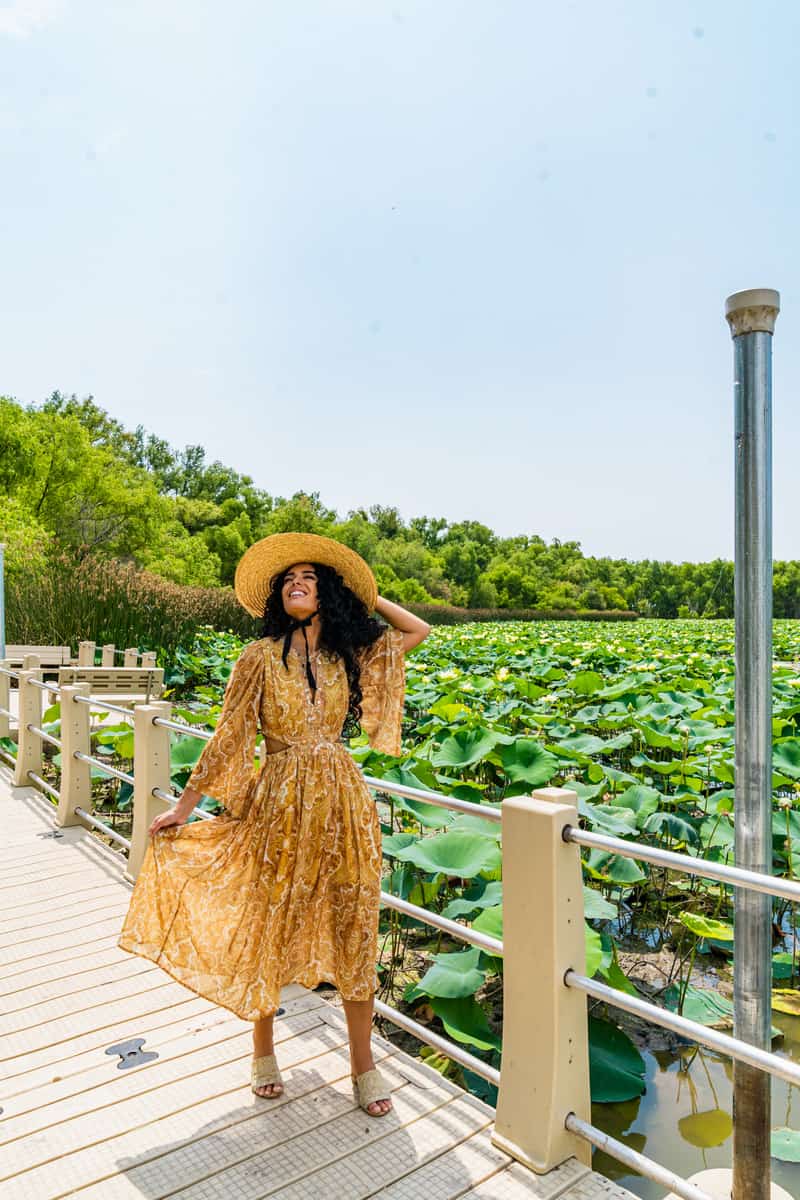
x=299 y=590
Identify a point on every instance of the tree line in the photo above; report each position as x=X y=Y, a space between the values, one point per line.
x=74 y=480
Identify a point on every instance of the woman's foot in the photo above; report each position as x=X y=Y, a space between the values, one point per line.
x=263 y=1048
x=377 y=1107
x=265 y=1078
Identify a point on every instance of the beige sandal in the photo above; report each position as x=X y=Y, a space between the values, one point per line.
x=369 y=1087
x=265 y=1070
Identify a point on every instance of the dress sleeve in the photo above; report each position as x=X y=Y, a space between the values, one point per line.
x=383 y=686
x=227 y=765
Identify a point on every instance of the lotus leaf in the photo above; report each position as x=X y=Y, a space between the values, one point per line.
x=785 y=1144
x=464 y=747
x=465 y=1021
x=596 y=908
x=526 y=761
x=491 y=895
x=616 y=1068
x=462 y=854
x=676 y=828
x=706 y=927
x=706 y=1129
x=786 y=1000
x=451 y=976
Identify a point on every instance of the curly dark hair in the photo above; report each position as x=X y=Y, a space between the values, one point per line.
x=346 y=627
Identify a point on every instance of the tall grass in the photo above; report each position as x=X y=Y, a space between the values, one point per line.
x=62 y=601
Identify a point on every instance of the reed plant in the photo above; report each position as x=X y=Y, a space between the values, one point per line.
x=62 y=600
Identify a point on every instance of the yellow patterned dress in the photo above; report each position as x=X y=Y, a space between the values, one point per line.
x=284 y=885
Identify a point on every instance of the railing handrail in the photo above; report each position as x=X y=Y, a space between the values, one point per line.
x=464 y=933
x=755 y=881
x=204 y=734
x=44 y=735
x=485 y=812
x=636 y=1161
x=106 y=768
x=714 y=1039
x=103 y=704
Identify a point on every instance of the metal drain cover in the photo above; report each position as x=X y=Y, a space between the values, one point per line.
x=53 y=833
x=131 y=1053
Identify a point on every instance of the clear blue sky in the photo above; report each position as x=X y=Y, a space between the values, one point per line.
x=466 y=257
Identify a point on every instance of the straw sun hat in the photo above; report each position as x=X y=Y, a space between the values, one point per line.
x=280 y=550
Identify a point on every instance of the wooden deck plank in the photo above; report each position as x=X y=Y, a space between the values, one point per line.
x=104 y=1084
x=75 y=984
x=173 y=1147
x=66 y=959
x=186 y=1125
x=446 y=1176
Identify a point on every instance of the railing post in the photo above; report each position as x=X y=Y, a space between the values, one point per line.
x=29 y=745
x=151 y=769
x=5 y=700
x=107 y=657
x=76 y=734
x=149 y=658
x=545 y=1066
x=86 y=654
x=131 y=657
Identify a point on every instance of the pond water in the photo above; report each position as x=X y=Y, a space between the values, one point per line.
x=683 y=1120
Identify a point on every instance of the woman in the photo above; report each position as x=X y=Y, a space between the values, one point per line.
x=284 y=885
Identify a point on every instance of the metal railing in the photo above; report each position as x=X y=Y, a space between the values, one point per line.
x=734 y=1048
x=572 y=980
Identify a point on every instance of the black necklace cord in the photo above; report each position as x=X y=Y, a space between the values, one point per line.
x=287 y=641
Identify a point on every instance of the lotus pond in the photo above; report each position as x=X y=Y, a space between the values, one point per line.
x=638 y=720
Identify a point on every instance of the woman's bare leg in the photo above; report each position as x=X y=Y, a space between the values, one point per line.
x=262 y=1044
x=359 y=1028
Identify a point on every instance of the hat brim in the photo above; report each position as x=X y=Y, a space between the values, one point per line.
x=275 y=553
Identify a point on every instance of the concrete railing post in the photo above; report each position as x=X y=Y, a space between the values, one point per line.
x=131 y=657
x=86 y=654
x=151 y=769
x=76 y=776
x=5 y=700
x=29 y=747
x=149 y=658
x=545 y=1066
x=107 y=658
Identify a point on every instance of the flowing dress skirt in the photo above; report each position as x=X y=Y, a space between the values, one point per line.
x=236 y=907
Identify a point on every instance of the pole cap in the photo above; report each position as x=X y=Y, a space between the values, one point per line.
x=753 y=311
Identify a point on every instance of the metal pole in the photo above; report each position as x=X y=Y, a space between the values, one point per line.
x=751 y=316
x=2 y=601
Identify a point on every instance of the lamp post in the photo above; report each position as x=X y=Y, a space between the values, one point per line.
x=751 y=316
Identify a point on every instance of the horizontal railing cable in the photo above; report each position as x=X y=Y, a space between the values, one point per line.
x=44 y=785
x=103 y=704
x=637 y=1162
x=112 y=833
x=45 y=687
x=474 y=936
x=462 y=1057
x=10 y=674
x=46 y=737
x=172 y=799
x=754 y=881
x=6 y=712
x=484 y=811
x=205 y=734
x=104 y=767
x=762 y=1060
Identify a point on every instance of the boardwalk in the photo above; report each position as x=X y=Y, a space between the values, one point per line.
x=185 y=1124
